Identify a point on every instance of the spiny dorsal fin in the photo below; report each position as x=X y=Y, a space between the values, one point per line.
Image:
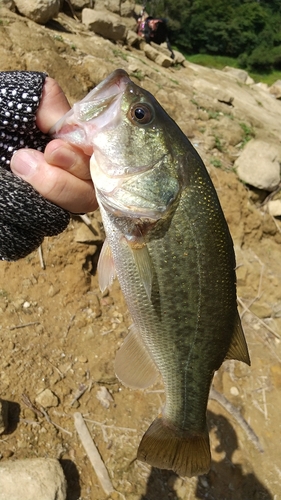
x=238 y=348
x=106 y=268
x=133 y=364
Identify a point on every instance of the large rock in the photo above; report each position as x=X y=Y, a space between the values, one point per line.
x=9 y=4
x=80 y=4
x=104 y=23
x=32 y=479
x=132 y=38
x=39 y=11
x=124 y=8
x=239 y=74
x=111 y=5
x=154 y=55
x=259 y=164
x=275 y=89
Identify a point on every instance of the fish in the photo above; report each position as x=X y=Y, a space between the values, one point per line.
x=169 y=245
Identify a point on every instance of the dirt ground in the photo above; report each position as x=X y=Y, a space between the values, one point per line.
x=58 y=332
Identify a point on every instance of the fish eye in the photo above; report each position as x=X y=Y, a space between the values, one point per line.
x=141 y=113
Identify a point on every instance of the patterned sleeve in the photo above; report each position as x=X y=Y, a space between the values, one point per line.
x=25 y=216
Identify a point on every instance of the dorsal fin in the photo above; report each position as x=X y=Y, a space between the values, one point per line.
x=133 y=364
x=238 y=348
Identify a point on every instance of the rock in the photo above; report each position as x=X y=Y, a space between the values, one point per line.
x=80 y=4
x=261 y=309
x=154 y=55
x=89 y=234
x=275 y=89
x=239 y=74
x=161 y=48
x=179 y=58
x=9 y=4
x=111 y=5
x=3 y=416
x=132 y=39
x=104 y=397
x=261 y=86
x=274 y=208
x=39 y=11
x=47 y=399
x=127 y=8
x=259 y=164
x=84 y=235
x=250 y=81
x=32 y=479
x=104 y=23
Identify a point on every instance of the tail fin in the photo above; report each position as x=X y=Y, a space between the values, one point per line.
x=169 y=448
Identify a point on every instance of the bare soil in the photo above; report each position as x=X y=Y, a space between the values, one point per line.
x=59 y=332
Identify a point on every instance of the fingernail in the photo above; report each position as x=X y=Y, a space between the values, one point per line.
x=24 y=163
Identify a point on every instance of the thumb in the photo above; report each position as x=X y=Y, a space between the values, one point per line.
x=54 y=183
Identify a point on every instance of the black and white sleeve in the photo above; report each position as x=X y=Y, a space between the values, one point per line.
x=25 y=216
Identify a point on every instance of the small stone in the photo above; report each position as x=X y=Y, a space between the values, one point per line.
x=47 y=399
x=53 y=290
x=84 y=235
x=3 y=415
x=104 y=397
x=234 y=391
x=82 y=359
x=274 y=208
x=26 y=305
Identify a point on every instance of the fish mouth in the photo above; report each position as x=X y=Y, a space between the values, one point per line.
x=114 y=84
x=92 y=108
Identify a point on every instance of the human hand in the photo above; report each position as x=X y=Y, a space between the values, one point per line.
x=61 y=174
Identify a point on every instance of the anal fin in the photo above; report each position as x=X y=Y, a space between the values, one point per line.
x=167 y=447
x=134 y=366
x=238 y=348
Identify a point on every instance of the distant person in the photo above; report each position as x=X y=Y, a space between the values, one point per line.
x=153 y=30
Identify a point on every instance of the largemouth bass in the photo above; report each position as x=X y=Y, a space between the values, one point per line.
x=169 y=244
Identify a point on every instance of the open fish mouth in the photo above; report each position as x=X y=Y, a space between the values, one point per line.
x=93 y=108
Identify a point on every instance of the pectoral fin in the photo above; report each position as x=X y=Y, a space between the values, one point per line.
x=238 y=348
x=133 y=364
x=144 y=265
x=106 y=268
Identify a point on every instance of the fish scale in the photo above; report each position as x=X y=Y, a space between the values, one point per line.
x=170 y=246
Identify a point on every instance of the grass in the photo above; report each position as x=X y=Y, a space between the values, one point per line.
x=249 y=133
x=219 y=62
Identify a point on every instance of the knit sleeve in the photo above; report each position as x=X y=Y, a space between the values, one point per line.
x=25 y=216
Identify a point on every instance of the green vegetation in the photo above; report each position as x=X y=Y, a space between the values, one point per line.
x=240 y=33
x=119 y=53
x=248 y=133
x=216 y=162
x=219 y=62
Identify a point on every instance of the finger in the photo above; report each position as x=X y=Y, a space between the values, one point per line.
x=71 y=159
x=53 y=105
x=55 y=184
